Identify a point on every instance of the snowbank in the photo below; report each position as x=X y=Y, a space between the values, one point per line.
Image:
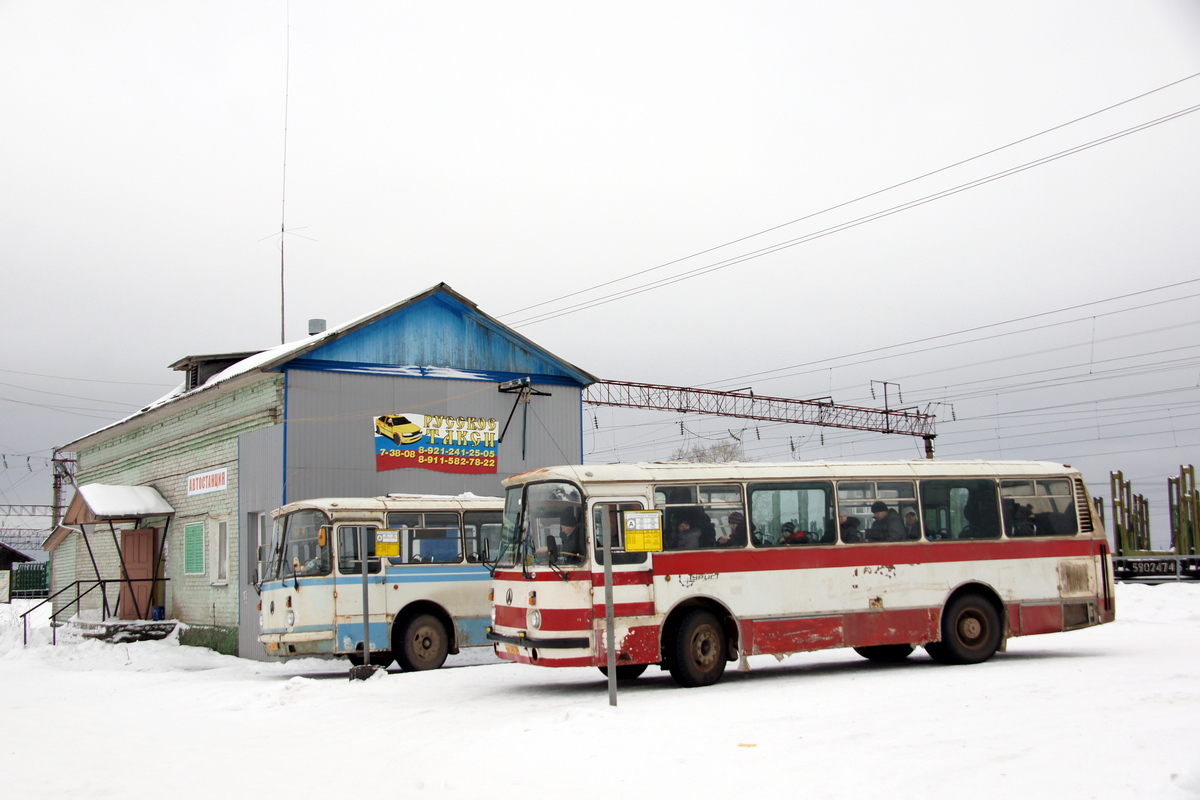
x=1106 y=712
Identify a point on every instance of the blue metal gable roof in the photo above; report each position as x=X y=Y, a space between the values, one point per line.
x=439 y=330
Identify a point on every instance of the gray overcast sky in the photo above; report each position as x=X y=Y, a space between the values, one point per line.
x=524 y=151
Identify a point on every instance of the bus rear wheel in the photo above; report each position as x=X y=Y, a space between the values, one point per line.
x=626 y=672
x=887 y=653
x=698 y=650
x=423 y=644
x=970 y=632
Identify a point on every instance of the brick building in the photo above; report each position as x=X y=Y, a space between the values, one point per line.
x=248 y=432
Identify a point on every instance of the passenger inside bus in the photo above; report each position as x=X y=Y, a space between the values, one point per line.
x=737 y=531
x=691 y=529
x=849 y=527
x=887 y=526
x=912 y=528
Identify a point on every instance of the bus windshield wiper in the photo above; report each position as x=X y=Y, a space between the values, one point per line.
x=552 y=558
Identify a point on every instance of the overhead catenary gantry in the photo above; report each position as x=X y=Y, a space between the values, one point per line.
x=747 y=405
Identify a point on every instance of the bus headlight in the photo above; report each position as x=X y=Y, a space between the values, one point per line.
x=291 y=619
x=493 y=615
x=535 y=619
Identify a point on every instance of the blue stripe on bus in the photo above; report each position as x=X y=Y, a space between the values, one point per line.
x=472 y=631
x=299 y=629
x=353 y=632
x=407 y=575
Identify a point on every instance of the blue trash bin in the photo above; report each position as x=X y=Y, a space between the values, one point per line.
x=158 y=613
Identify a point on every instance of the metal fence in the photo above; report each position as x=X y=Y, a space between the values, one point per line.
x=31 y=579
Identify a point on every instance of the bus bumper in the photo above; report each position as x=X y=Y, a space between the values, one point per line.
x=295 y=638
x=521 y=640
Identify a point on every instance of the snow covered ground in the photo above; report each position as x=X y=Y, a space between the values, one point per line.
x=1108 y=712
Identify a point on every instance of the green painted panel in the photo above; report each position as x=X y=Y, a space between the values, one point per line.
x=193 y=549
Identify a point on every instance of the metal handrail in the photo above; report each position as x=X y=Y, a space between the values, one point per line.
x=78 y=596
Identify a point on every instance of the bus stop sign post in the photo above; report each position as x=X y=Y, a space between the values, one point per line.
x=608 y=622
x=366 y=669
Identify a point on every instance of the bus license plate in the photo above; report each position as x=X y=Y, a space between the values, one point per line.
x=512 y=650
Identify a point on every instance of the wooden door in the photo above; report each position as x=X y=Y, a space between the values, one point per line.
x=139 y=551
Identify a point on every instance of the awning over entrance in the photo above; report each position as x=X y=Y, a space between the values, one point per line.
x=96 y=502
x=139 y=549
x=99 y=502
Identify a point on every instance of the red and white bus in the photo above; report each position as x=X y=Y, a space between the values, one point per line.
x=954 y=556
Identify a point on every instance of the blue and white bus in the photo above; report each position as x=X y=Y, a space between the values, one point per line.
x=425 y=603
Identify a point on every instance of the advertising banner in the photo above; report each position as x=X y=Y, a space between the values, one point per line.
x=435 y=442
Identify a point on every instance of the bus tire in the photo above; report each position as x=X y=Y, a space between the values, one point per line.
x=886 y=653
x=970 y=632
x=698 y=650
x=626 y=672
x=423 y=644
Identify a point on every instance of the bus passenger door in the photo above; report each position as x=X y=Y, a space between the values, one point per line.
x=348 y=594
x=635 y=626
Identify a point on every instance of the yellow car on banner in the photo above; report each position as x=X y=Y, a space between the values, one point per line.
x=399 y=429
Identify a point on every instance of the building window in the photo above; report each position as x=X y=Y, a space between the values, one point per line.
x=221 y=552
x=193 y=549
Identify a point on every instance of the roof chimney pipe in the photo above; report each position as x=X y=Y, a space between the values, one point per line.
x=316 y=326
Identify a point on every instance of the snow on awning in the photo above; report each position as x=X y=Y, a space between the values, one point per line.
x=94 y=502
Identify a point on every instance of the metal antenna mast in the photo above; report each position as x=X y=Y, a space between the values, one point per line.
x=287 y=64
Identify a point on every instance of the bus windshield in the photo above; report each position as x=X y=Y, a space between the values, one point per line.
x=543 y=524
x=303 y=538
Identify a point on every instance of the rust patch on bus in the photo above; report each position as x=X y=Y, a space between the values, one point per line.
x=793 y=635
x=639 y=645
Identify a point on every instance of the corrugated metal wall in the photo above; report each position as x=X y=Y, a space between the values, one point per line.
x=331 y=438
x=330 y=449
x=260 y=491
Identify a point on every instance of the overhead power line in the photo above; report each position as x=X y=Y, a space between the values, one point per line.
x=906 y=206
x=850 y=202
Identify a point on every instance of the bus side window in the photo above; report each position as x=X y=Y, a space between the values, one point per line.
x=960 y=509
x=440 y=541
x=1038 y=508
x=792 y=514
x=405 y=523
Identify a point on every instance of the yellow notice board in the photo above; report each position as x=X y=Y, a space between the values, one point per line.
x=643 y=531
x=387 y=543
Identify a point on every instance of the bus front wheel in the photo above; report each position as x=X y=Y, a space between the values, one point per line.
x=698 y=650
x=423 y=644
x=970 y=632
